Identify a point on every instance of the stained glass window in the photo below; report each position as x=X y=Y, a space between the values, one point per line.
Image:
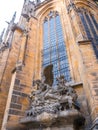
x=54 y=48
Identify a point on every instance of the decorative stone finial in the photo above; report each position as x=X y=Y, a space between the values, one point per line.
x=38 y=1
x=28 y=9
x=14 y=17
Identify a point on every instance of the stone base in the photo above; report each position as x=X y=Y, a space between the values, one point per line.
x=64 y=120
x=56 y=128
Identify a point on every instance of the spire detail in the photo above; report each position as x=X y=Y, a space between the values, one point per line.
x=38 y=1
x=1 y=36
x=14 y=17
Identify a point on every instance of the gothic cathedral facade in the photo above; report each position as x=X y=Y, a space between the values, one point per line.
x=63 y=33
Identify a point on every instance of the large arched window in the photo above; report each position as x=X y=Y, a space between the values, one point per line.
x=54 y=49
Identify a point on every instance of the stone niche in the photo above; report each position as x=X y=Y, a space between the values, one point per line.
x=54 y=108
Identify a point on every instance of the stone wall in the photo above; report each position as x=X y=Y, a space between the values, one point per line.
x=90 y=72
x=6 y=70
x=25 y=68
x=21 y=64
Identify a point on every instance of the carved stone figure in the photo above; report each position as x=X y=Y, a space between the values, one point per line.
x=47 y=99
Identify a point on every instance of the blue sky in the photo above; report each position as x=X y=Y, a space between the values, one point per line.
x=7 y=9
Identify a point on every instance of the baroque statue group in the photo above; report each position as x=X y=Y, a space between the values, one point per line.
x=52 y=99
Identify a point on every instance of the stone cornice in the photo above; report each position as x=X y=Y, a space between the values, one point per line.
x=17 y=27
x=74 y=85
x=84 y=42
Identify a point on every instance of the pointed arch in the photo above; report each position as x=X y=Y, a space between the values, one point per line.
x=49 y=5
x=87 y=4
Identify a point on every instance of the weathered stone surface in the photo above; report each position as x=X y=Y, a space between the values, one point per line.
x=21 y=54
x=53 y=106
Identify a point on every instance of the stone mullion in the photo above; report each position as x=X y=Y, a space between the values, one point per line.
x=95 y=34
x=93 y=23
x=84 y=14
x=57 y=44
x=82 y=26
x=37 y=51
x=92 y=35
x=49 y=37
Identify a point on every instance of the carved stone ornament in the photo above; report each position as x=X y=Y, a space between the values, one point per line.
x=49 y=104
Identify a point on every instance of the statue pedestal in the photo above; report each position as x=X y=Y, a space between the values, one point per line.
x=63 y=120
x=53 y=109
x=56 y=128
